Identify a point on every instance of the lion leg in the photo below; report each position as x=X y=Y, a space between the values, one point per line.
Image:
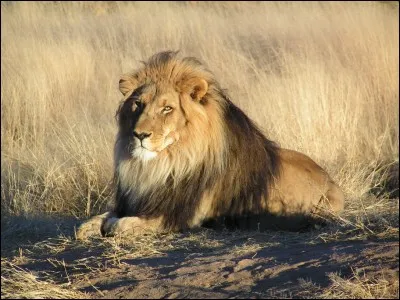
x=92 y=227
x=131 y=226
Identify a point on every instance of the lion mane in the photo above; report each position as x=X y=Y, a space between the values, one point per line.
x=222 y=167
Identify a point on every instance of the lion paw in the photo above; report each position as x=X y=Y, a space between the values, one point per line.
x=109 y=226
x=127 y=226
x=92 y=227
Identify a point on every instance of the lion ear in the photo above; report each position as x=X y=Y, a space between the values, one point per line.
x=197 y=88
x=127 y=84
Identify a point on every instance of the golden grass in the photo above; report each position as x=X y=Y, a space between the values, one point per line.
x=360 y=286
x=321 y=78
x=18 y=283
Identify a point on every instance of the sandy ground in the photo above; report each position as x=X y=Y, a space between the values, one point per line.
x=199 y=264
x=273 y=272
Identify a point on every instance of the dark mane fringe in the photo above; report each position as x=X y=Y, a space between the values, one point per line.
x=179 y=204
x=257 y=161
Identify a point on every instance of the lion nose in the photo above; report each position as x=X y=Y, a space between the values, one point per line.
x=141 y=136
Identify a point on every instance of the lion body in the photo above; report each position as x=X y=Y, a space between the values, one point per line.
x=186 y=154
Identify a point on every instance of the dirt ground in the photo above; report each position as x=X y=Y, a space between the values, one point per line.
x=331 y=262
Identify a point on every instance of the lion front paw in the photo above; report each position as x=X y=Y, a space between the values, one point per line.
x=109 y=227
x=92 y=227
x=130 y=226
x=126 y=226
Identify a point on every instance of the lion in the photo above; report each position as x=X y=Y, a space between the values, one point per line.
x=185 y=156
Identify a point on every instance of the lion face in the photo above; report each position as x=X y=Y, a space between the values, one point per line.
x=157 y=118
x=157 y=114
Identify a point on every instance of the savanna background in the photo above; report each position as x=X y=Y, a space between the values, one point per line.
x=318 y=77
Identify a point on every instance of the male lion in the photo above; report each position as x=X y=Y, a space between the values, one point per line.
x=185 y=154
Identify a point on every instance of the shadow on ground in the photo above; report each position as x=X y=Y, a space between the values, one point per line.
x=199 y=264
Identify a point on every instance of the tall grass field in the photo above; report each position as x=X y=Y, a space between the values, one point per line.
x=318 y=77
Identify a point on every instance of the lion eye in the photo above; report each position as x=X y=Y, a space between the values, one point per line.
x=167 y=109
x=138 y=105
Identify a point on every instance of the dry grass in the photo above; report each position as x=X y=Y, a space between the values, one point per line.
x=17 y=283
x=360 y=286
x=319 y=78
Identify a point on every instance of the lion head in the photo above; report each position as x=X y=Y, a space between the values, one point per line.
x=158 y=113
x=170 y=119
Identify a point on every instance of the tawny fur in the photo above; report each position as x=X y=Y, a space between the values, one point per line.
x=185 y=154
